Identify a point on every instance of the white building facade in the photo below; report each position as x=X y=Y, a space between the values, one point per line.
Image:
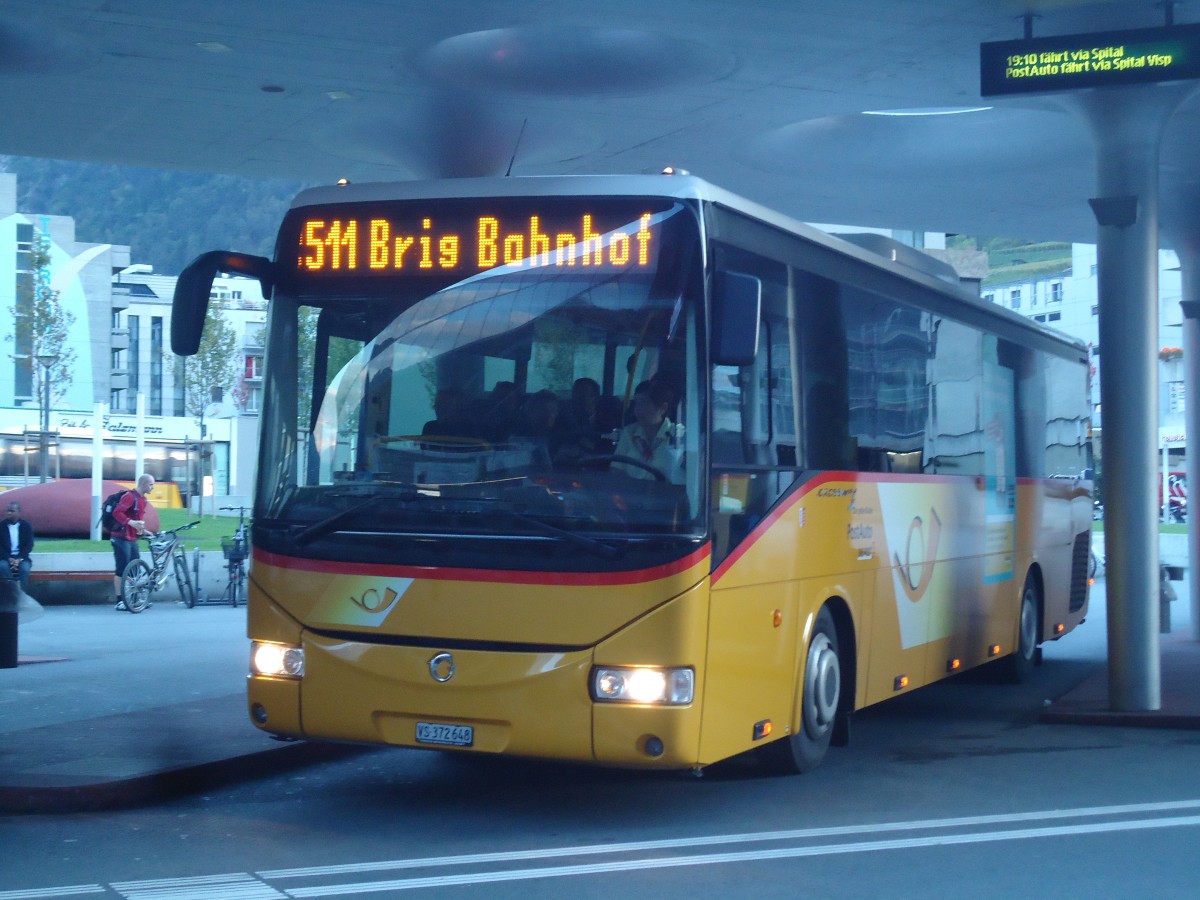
x=1069 y=302
x=124 y=381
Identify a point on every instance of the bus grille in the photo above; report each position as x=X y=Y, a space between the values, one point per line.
x=1080 y=557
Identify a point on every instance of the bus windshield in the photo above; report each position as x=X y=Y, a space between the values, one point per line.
x=532 y=396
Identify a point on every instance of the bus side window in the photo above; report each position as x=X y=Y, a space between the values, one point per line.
x=754 y=436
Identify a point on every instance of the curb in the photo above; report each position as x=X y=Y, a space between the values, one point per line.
x=154 y=787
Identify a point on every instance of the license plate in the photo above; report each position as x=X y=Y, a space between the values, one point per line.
x=448 y=735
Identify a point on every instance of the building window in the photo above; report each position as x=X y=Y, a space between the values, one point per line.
x=989 y=298
x=254 y=367
x=1176 y=397
x=178 y=395
x=1014 y=298
x=1055 y=317
x=1041 y=318
x=1095 y=311
x=1056 y=292
x=156 y=365
x=23 y=311
x=133 y=361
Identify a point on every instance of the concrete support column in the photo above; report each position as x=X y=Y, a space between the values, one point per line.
x=1180 y=200
x=1183 y=228
x=1191 y=383
x=1127 y=126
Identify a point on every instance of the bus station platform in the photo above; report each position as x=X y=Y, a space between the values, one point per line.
x=108 y=709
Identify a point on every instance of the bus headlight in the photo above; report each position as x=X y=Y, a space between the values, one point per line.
x=276 y=660
x=628 y=684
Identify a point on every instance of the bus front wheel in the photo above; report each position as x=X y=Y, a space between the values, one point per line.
x=820 y=699
x=1018 y=667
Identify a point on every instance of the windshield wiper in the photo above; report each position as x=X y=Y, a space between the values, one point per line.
x=592 y=545
x=331 y=523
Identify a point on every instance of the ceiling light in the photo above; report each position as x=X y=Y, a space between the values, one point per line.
x=927 y=111
x=338 y=95
x=214 y=47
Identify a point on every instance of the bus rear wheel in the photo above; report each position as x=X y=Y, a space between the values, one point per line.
x=1018 y=667
x=820 y=700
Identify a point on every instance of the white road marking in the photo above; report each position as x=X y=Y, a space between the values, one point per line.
x=741 y=857
x=726 y=839
x=943 y=833
x=233 y=886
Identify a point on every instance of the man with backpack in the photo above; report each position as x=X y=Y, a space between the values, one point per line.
x=129 y=522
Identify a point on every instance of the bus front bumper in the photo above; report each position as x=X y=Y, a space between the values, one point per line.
x=535 y=704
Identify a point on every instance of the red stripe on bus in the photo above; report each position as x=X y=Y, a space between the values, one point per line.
x=495 y=576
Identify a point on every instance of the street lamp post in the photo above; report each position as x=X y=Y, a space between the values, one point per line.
x=47 y=361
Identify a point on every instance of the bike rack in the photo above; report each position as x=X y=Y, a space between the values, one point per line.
x=229 y=550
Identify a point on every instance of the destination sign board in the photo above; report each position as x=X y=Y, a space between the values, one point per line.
x=1102 y=59
x=445 y=238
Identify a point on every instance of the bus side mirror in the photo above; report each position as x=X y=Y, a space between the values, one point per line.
x=736 y=313
x=192 y=290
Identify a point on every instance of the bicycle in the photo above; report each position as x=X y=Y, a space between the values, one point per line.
x=236 y=550
x=141 y=579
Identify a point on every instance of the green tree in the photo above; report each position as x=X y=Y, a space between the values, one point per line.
x=214 y=368
x=41 y=327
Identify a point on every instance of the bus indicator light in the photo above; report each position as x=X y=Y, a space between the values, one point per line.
x=763 y=729
x=953 y=665
x=1059 y=627
x=994 y=650
x=900 y=683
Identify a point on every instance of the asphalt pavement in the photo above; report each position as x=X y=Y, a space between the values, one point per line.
x=108 y=709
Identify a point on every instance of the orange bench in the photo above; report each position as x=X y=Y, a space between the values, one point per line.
x=76 y=575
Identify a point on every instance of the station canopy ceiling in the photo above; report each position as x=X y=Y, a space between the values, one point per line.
x=864 y=112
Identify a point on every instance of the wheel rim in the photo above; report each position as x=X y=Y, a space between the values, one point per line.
x=137 y=588
x=1028 y=624
x=822 y=686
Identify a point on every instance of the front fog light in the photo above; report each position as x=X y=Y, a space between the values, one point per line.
x=674 y=687
x=276 y=660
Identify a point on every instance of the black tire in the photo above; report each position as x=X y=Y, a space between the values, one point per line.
x=1018 y=667
x=820 y=702
x=183 y=579
x=137 y=583
x=234 y=588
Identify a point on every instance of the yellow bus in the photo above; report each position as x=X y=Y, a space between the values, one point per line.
x=635 y=472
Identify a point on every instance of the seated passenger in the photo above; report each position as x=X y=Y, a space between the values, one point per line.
x=582 y=423
x=535 y=426
x=453 y=419
x=652 y=438
x=499 y=411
